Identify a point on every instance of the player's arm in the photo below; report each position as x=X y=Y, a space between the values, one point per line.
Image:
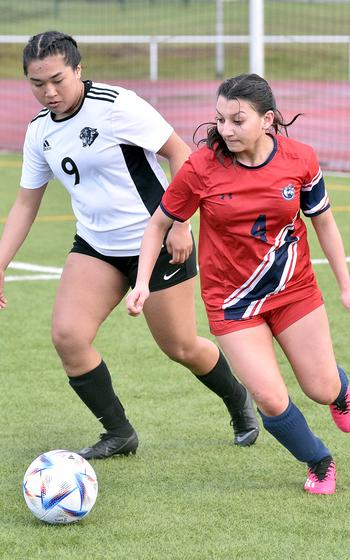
x=179 y=240
x=332 y=245
x=17 y=227
x=176 y=151
x=150 y=248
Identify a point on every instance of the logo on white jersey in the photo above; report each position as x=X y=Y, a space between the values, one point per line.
x=88 y=135
x=46 y=146
x=288 y=192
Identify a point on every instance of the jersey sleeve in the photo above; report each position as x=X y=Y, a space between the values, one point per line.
x=182 y=198
x=313 y=196
x=137 y=122
x=35 y=169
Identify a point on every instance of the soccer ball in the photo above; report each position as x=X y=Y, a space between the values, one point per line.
x=60 y=487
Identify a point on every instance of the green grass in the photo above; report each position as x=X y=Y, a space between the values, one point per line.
x=188 y=494
x=175 y=17
x=158 y=17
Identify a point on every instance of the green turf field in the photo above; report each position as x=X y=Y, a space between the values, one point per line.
x=188 y=494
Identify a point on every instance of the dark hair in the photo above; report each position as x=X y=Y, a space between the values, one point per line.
x=257 y=92
x=51 y=43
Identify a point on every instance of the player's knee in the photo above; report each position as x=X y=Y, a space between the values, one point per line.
x=271 y=405
x=63 y=337
x=324 y=395
x=181 y=353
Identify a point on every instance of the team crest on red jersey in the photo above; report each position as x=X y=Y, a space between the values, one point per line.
x=288 y=192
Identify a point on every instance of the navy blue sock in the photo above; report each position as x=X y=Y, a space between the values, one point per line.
x=292 y=431
x=344 y=385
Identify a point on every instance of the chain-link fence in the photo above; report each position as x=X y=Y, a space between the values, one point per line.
x=175 y=52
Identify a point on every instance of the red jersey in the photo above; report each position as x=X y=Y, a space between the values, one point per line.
x=253 y=251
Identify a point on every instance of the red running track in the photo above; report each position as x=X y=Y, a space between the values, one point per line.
x=186 y=104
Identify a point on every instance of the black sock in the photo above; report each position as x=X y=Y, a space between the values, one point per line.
x=221 y=381
x=96 y=391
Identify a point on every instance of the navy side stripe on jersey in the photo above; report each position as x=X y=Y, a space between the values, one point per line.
x=313 y=196
x=145 y=180
x=269 y=278
x=268 y=285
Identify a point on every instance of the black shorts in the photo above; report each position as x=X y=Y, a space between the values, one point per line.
x=164 y=274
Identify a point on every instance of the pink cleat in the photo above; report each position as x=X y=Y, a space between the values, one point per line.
x=321 y=478
x=341 y=412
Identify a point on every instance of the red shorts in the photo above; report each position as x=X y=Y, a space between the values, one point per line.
x=277 y=319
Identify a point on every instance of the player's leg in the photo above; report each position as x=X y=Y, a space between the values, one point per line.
x=88 y=291
x=251 y=354
x=307 y=344
x=170 y=314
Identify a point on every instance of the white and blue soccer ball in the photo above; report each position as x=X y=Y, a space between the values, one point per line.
x=60 y=487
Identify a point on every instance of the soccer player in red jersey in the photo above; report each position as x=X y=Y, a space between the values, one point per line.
x=250 y=183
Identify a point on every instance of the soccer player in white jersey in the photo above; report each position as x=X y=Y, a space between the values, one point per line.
x=102 y=143
x=250 y=185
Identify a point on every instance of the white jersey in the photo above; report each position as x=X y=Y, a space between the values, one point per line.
x=105 y=156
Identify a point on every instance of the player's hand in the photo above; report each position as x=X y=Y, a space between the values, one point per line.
x=3 y=300
x=136 y=299
x=179 y=242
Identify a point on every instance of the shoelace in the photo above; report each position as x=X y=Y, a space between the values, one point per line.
x=322 y=469
x=343 y=406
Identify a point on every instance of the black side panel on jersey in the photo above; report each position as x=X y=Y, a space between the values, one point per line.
x=146 y=182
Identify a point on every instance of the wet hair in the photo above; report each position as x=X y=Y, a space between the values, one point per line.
x=257 y=92
x=51 y=43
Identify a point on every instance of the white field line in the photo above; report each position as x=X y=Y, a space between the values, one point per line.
x=35 y=267
x=48 y=272
x=54 y=273
x=32 y=277
x=325 y=261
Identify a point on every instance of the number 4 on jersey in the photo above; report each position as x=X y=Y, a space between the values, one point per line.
x=259 y=228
